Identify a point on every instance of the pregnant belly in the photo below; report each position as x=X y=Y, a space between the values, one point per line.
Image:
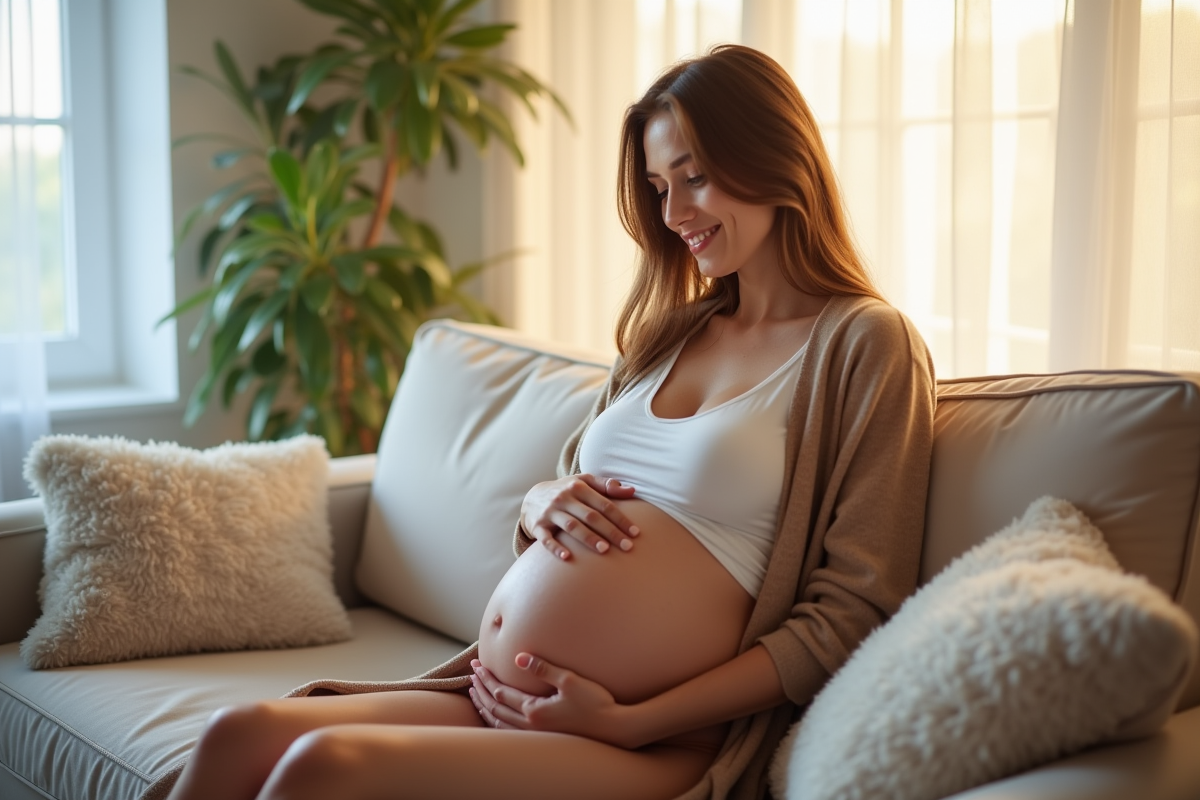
x=636 y=622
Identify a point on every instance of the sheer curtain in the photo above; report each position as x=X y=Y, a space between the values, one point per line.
x=1023 y=177
x=574 y=261
x=23 y=411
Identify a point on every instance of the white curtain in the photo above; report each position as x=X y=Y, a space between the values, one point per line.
x=23 y=411
x=1023 y=177
x=575 y=261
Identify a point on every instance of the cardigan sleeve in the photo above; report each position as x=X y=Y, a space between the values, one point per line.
x=568 y=458
x=855 y=516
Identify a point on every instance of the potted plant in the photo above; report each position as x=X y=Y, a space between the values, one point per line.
x=318 y=280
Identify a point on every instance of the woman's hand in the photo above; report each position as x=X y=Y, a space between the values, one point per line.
x=579 y=706
x=578 y=506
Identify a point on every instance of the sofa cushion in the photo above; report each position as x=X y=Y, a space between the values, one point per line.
x=1124 y=447
x=1031 y=646
x=157 y=549
x=479 y=417
x=105 y=731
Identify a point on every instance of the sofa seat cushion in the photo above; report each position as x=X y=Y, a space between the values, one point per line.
x=105 y=731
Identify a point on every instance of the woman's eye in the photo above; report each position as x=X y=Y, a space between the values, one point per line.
x=697 y=180
x=662 y=195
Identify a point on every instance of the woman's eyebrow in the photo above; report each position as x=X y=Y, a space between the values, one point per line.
x=683 y=159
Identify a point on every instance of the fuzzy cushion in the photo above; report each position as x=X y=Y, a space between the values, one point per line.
x=1028 y=647
x=155 y=550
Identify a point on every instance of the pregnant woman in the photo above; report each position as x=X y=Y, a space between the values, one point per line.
x=744 y=504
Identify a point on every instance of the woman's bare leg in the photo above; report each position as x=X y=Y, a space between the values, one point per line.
x=391 y=762
x=241 y=744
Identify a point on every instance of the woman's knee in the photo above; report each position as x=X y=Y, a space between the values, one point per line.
x=316 y=761
x=236 y=726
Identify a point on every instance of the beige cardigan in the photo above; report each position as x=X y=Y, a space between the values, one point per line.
x=851 y=519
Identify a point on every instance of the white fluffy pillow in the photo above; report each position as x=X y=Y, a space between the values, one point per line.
x=157 y=549
x=1028 y=647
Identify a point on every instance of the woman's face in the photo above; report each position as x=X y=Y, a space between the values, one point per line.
x=723 y=234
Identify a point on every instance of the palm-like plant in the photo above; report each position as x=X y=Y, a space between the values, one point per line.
x=316 y=325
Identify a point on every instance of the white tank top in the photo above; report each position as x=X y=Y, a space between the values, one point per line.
x=719 y=473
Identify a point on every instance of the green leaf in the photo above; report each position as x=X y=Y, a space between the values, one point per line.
x=279 y=335
x=425 y=79
x=290 y=276
x=377 y=368
x=423 y=129
x=317 y=70
x=230 y=387
x=266 y=360
x=201 y=328
x=208 y=246
x=224 y=346
x=187 y=305
x=344 y=116
x=424 y=284
x=431 y=240
x=481 y=37
x=199 y=398
x=320 y=164
x=263 y=316
x=233 y=76
x=335 y=221
x=461 y=94
x=234 y=212
x=385 y=84
x=265 y=223
x=231 y=286
x=385 y=297
x=317 y=293
x=450 y=16
x=257 y=245
x=437 y=270
x=315 y=349
x=285 y=170
x=260 y=410
x=351 y=273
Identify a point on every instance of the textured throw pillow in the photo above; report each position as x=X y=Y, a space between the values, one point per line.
x=1028 y=647
x=155 y=550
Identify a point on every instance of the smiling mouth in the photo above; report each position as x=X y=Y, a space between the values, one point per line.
x=698 y=239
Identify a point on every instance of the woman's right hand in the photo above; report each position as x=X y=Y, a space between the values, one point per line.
x=578 y=506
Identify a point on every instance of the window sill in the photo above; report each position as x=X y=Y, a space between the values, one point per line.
x=108 y=401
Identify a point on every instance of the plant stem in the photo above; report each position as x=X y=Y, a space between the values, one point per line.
x=383 y=199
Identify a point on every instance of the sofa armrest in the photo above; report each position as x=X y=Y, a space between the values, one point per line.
x=1161 y=767
x=23 y=538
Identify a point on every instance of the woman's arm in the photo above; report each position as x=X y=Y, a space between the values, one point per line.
x=745 y=685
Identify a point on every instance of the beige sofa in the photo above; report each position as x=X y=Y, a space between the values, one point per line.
x=423 y=531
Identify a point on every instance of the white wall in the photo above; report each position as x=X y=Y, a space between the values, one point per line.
x=256 y=32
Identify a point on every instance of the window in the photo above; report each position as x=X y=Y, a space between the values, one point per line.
x=84 y=168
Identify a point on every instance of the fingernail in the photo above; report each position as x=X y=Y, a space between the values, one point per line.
x=563 y=554
x=634 y=530
x=524 y=660
x=602 y=547
x=626 y=544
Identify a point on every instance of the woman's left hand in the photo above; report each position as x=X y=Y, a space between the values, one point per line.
x=579 y=706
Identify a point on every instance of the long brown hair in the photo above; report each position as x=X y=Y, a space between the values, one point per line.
x=753 y=136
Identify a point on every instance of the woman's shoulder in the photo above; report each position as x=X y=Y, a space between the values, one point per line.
x=859 y=317
x=861 y=327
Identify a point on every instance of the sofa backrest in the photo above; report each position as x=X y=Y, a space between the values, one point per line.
x=1122 y=446
x=481 y=414
x=479 y=417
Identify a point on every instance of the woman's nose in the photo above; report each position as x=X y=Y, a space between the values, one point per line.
x=677 y=209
